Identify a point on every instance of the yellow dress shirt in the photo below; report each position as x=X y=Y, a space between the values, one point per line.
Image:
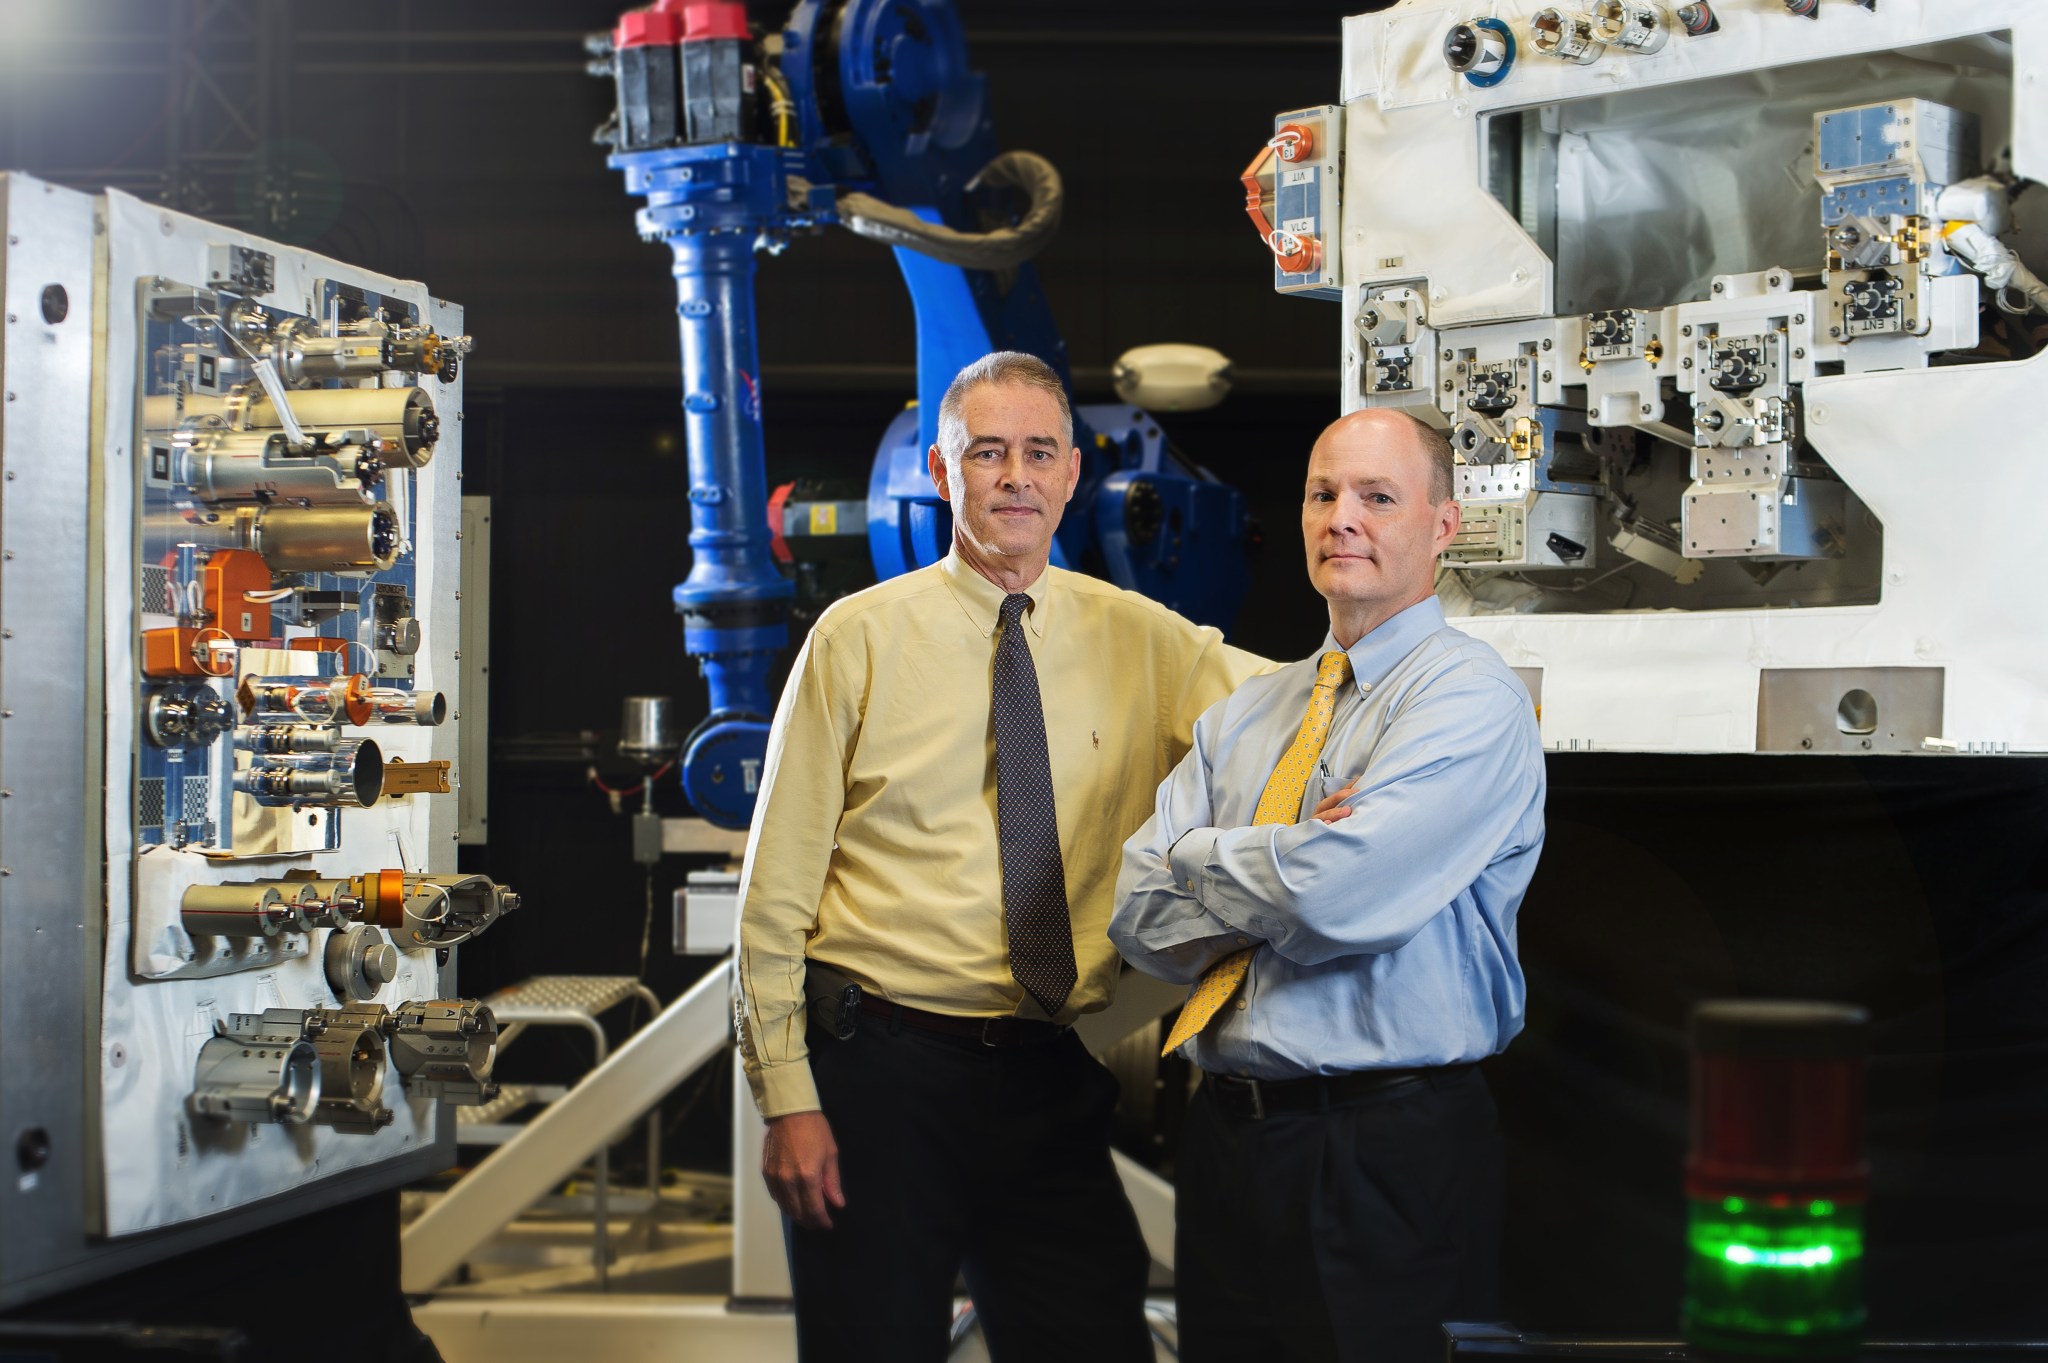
x=873 y=849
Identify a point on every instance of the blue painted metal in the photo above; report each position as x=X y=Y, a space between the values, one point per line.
x=713 y=206
x=722 y=770
x=908 y=525
x=894 y=75
x=1194 y=560
x=884 y=103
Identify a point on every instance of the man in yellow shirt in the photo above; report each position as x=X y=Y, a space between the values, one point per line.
x=956 y=760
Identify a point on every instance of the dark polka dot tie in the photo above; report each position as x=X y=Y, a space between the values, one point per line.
x=1027 y=826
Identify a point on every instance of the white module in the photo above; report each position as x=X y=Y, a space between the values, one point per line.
x=1722 y=309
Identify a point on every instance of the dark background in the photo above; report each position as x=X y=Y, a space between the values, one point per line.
x=451 y=143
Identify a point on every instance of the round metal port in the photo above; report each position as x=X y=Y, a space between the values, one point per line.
x=1856 y=712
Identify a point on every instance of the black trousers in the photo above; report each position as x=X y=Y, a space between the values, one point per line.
x=1351 y=1233
x=955 y=1158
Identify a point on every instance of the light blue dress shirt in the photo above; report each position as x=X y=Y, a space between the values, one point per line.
x=1386 y=939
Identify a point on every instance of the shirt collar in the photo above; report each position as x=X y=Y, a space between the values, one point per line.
x=1374 y=656
x=983 y=599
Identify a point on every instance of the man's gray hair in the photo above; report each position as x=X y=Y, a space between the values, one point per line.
x=1003 y=366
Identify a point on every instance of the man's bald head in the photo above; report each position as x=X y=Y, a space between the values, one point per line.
x=1378 y=425
x=1376 y=512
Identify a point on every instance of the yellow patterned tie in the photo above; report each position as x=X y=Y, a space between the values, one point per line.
x=1280 y=803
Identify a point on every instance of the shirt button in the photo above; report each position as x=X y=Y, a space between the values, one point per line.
x=1244 y=941
x=1242 y=1005
x=1191 y=884
x=1365 y=687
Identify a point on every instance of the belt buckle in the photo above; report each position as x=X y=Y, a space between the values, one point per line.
x=1232 y=1083
x=987 y=1023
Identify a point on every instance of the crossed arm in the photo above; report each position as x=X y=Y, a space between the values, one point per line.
x=1441 y=792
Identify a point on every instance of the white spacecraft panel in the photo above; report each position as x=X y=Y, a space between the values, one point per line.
x=229 y=688
x=164 y=1164
x=1875 y=431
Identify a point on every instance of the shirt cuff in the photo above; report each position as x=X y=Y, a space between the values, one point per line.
x=780 y=1090
x=1188 y=855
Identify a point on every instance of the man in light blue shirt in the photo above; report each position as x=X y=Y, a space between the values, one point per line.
x=1336 y=867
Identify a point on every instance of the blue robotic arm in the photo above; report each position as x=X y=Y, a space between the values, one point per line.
x=872 y=120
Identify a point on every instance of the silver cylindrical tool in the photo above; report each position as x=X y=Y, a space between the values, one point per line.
x=337 y=700
x=247 y=910
x=1564 y=34
x=402 y=419
x=359 y=963
x=287 y=738
x=350 y=1044
x=350 y=777
x=261 y=466
x=189 y=716
x=258 y=1071
x=303 y=354
x=396 y=705
x=326 y=539
x=292 y=539
x=1630 y=25
x=445 y=1048
x=647 y=730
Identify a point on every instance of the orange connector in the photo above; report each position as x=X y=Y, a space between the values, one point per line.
x=181 y=651
x=226 y=583
x=1294 y=254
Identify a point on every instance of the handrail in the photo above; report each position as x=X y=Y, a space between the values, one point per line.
x=680 y=1039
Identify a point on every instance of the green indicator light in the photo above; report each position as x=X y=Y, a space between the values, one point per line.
x=1818 y=1256
x=1775 y=1281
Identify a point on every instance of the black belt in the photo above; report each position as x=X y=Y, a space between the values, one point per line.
x=1259 y=1098
x=995 y=1031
